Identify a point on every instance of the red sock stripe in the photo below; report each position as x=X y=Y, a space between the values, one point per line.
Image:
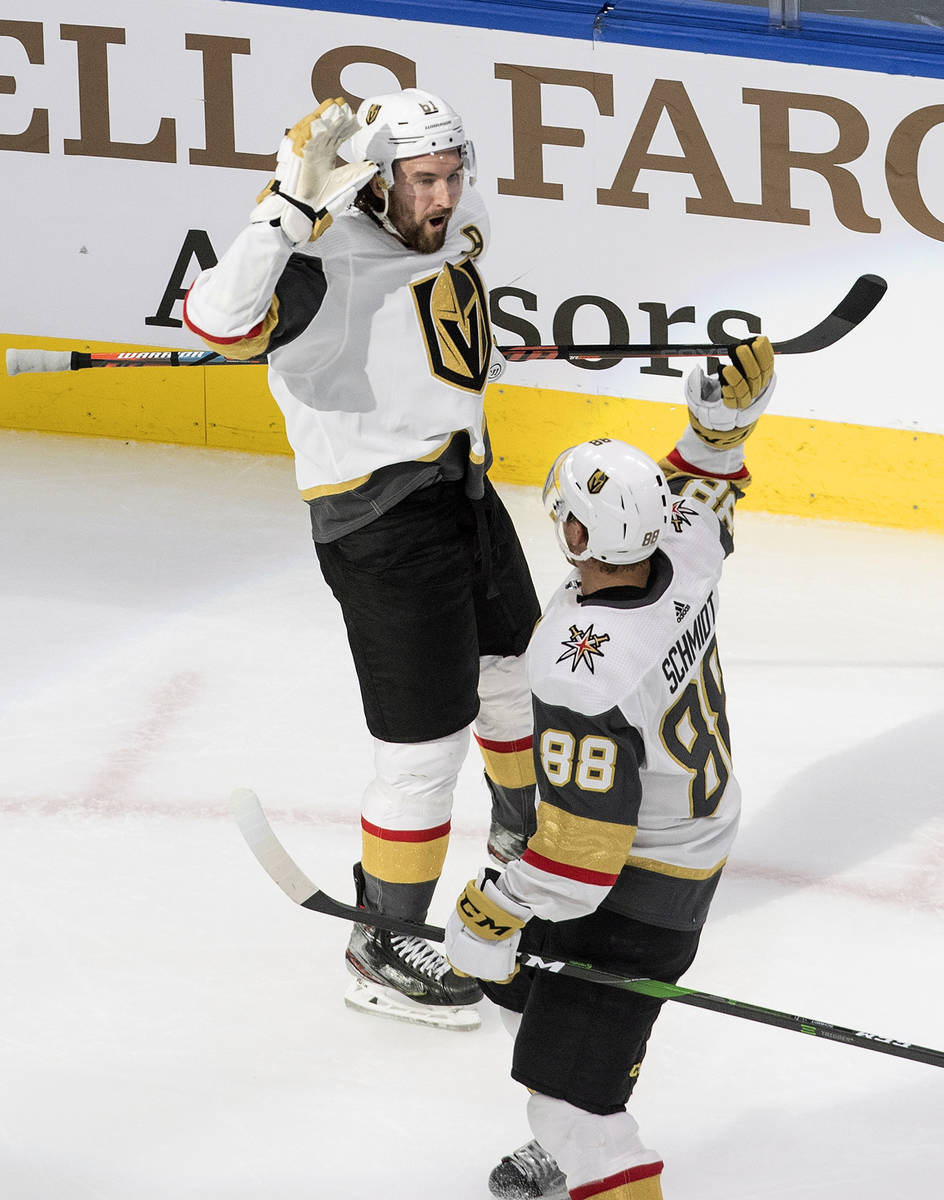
x=405 y=835
x=512 y=747
x=579 y=874
x=600 y=1187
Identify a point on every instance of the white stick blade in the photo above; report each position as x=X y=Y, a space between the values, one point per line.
x=21 y=361
x=272 y=855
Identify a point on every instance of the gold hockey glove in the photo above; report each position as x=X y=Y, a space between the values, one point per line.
x=723 y=410
x=309 y=190
x=483 y=932
x=750 y=371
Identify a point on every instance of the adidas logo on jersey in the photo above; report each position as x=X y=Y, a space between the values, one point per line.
x=681 y=611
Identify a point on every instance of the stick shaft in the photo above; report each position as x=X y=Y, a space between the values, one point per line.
x=22 y=362
x=855 y=306
x=750 y=1012
x=82 y=361
x=282 y=868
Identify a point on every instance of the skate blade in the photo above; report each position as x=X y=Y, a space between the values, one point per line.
x=366 y=997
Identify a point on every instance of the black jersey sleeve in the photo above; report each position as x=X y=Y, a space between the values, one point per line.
x=298 y=297
x=589 y=794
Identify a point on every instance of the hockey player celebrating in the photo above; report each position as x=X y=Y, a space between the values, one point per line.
x=361 y=284
x=637 y=802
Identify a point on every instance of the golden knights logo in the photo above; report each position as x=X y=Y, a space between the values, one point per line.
x=582 y=645
x=681 y=516
x=597 y=482
x=372 y=114
x=452 y=307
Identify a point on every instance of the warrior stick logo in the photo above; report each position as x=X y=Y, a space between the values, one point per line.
x=582 y=646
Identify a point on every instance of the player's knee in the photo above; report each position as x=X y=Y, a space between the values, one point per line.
x=424 y=771
x=505 y=696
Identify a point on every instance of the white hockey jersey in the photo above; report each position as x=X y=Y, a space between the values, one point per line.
x=638 y=805
x=378 y=355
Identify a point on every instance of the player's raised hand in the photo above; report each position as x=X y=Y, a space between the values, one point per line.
x=723 y=408
x=309 y=190
x=748 y=374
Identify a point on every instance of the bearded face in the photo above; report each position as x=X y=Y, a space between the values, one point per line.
x=423 y=198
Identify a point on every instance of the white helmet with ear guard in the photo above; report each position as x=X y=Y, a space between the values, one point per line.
x=405 y=125
x=618 y=493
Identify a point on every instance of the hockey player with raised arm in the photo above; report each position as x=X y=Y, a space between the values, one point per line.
x=362 y=285
x=637 y=802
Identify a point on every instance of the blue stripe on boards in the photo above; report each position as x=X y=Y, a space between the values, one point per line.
x=707 y=28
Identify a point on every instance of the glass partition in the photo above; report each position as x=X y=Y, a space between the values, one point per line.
x=789 y=13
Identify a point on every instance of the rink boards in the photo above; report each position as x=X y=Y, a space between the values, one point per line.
x=637 y=191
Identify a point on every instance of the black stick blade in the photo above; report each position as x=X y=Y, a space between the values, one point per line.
x=851 y=311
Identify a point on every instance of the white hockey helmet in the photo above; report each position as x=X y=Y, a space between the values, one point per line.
x=405 y=125
x=617 y=492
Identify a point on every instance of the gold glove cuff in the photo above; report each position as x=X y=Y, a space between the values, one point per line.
x=484 y=917
x=721 y=439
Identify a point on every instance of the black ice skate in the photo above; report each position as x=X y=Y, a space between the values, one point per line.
x=407 y=979
x=528 y=1174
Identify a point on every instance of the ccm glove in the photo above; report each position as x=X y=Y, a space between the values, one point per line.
x=309 y=190
x=483 y=933
x=723 y=409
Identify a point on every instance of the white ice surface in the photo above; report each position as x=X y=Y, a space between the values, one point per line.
x=171 y=1025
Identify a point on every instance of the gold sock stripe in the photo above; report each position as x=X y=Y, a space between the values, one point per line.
x=404 y=856
x=509 y=764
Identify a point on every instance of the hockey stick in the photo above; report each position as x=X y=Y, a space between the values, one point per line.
x=282 y=868
x=851 y=311
x=21 y=362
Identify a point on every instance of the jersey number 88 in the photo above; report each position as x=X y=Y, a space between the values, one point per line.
x=595 y=760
